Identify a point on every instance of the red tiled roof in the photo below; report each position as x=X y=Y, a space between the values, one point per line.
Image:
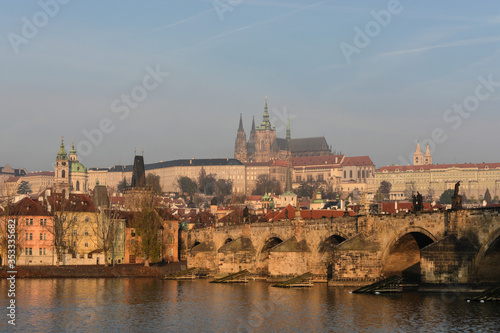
x=75 y=203
x=403 y=168
x=390 y=207
x=316 y=160
x=357 y=161
x=12 y=179
x=306 y=214
x=117 y=200
x=279 y=163
x=254 y=198
x=28 y=207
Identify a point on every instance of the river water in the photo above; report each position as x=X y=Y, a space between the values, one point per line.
x=153 y=305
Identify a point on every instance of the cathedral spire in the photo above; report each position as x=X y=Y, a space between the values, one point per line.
x=240 y=128
x=266 y=124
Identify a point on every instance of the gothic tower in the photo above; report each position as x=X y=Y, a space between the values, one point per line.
x=265 y=137
x=418 y=156
x=427 y=156
x=240 y=147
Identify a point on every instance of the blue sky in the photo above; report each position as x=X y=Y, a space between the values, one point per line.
x=223 y=57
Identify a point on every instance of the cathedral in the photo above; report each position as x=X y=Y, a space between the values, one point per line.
x=263 y=145
x=70 y=174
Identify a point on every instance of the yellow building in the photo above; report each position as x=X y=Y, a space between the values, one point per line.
x=433 y=179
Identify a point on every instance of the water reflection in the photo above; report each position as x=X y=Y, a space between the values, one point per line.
x=145 y=305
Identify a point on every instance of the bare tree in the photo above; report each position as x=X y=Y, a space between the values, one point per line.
x=65 y=227
x=105 y=229
x=149 y=226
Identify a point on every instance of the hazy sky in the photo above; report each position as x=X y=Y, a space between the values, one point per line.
x=371 y=76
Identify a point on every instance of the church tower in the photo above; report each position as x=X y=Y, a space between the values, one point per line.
x=77 y=172
x=427 y=156
x=240 y=147
x=265 y=139
x=418 y=156
x=288 y=132
x=61 y=181
x=252 y=132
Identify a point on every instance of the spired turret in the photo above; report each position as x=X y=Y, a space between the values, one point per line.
x=240 y=146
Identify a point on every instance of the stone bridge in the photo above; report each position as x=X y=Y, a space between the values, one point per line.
x=437 y=247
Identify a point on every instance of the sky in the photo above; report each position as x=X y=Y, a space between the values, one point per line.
x=172 y=78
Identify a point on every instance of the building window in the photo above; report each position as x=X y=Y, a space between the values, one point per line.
x=350 y=174
x=41 y=251
x=41 y=236
x=132 y=232
x=86 y=232
x=364 y=174
x=86 y=244
x=30 y=251
x=171 y=226
x=63 y=174
x=170 y=252
x=299 y=179
x=44 y=236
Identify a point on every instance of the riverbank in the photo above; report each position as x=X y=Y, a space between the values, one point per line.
x=94 y=271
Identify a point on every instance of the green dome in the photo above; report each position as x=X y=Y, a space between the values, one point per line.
x=77 y=167
x=61 y=155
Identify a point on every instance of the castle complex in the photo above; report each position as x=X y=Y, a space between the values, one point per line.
x=263 y=145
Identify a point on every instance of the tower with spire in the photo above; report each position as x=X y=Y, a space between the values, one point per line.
x=418 y=156
x=61 y=179
x=240 y=147
x=427 y=156
x=70 y=174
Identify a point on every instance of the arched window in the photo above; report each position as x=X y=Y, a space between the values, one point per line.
x=350 y=174
x=77 y=185
x=63 y=173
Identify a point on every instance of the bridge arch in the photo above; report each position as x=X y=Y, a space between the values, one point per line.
x=487 y=260
x=330 y=242
x=262 y=255
x=401 y=256
x=227 y=240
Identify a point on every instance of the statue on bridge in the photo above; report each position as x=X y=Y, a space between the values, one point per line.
x=456 y=199
x=245 y=214
x=418 y=204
